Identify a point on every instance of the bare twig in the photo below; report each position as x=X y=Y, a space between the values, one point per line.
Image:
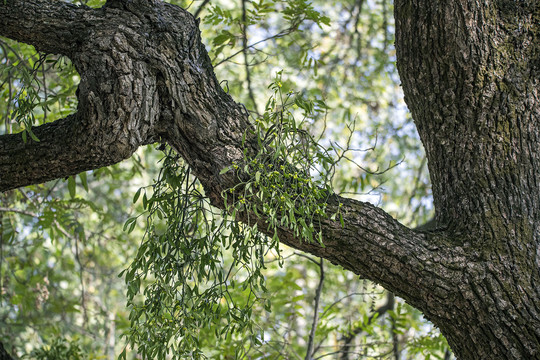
x=276 y=36
x=345 y=297
x=395 y=339
x=311 y=341
x=81 y=279
x=389 y=305
x=19 y=211
x=246 y=62
x=201 y=7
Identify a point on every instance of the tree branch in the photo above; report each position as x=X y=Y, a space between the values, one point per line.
x=246 y=62
x=118 y=98
x=18 y=211
x=200 y=8
x=65 y=148
x=145 y=75
x=54 y=27
x=311 y=341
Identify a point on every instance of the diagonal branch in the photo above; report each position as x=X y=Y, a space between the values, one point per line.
x=65 y=148
x=146 y=76
x=200 y=8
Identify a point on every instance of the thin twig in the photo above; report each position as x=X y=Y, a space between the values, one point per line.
x=246 y=62
x=311 y=341
x=81 y=279
x=389 y=305
x=19 y=211
x=276 y=36
x=201 y=7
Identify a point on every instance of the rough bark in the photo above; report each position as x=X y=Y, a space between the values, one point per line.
x=470 y=75
x=471 y=72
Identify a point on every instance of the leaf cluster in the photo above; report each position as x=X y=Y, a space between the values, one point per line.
x=194 y=256
x=191 y=258
x=288 y=183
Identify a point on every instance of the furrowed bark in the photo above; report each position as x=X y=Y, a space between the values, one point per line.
x=52 y=27
x=118 y=98
x=65 y=148
x=471 y=78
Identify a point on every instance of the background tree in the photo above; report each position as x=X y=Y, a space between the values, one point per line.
x=145 y=77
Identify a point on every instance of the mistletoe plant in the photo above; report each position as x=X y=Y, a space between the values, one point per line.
x=195 y=259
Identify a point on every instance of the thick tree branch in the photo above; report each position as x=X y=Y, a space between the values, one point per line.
x=54 y=27
x=470 y=74
x=136 y=88
x=65 y=148
x=466 y=85
x=118 y=97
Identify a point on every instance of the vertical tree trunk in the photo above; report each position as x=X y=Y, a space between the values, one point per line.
x=470 y=72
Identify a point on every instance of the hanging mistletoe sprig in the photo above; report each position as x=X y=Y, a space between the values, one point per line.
x=290 y=180
x=200 y=268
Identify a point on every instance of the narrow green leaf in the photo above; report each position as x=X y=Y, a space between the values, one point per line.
x=137 y=194
x=130 y=224
x=33 y=136
x=268 y=305
x=71 y=186
x=225 y=169
x=145 y=201
x=84 y=180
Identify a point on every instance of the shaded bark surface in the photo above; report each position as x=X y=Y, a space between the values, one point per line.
x=471 y=76
x=470 y=73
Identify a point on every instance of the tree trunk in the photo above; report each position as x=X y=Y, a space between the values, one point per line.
x=470 y=74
